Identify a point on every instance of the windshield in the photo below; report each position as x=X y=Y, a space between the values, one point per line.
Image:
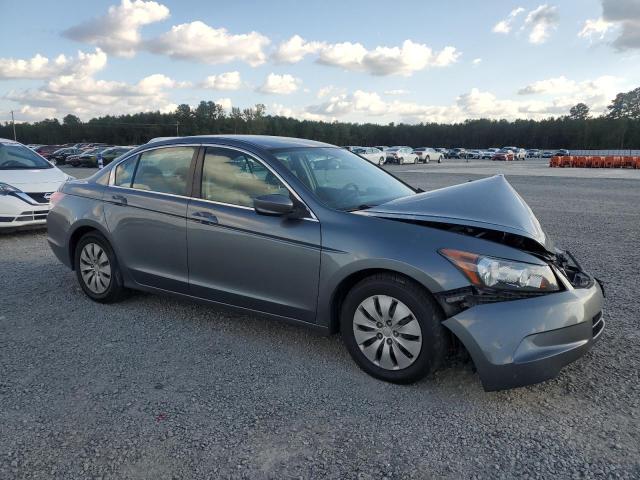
x=16 y=157
x=340 y=179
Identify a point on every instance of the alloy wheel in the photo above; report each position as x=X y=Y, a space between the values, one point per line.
x=387 y=332
x=95 y=268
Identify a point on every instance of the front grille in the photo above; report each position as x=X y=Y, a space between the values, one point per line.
x=598 y=325
x=31 y=216
x=39 y=196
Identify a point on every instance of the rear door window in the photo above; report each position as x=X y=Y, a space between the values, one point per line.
x=165 y=170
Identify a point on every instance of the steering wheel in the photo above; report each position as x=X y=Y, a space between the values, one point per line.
x=349 y=190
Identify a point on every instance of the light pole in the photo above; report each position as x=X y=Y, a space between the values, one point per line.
x=13 y=123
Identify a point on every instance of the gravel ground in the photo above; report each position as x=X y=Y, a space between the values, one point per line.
x=156 y=387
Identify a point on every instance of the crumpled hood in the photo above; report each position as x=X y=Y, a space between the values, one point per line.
x=490 y=203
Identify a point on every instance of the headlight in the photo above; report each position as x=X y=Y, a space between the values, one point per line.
x=489 y=272
x=6 y=189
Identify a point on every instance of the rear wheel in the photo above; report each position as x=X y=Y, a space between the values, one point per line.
x=401 y=161
x=427 y=160
x=392 y=328
x=415 y=160
x=97 y=269
x=381 y=161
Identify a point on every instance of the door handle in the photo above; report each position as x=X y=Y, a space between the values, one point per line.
x=119 y=199
x=204 y=217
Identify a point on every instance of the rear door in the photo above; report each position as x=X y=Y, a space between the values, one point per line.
x=145 y=209
x=242 y=258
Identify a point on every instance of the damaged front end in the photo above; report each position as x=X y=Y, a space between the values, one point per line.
x=520 y=319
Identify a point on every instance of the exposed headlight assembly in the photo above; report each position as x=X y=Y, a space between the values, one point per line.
x=497 y=273
x=6 y=189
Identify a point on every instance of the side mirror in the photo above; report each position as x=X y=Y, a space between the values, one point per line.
x=273 y=204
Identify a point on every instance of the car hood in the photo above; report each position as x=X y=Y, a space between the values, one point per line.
x=490 y=203
x=34 y=180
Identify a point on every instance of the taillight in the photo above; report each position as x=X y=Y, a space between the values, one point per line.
x=56 y=197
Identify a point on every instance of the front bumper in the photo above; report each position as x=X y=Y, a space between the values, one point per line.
x=16 y=212
x=522 y=342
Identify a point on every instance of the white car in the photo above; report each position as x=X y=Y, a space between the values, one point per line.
x=27 y=182
x=372 y=154
x=426 y=154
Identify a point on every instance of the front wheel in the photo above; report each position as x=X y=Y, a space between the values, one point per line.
x=427 y=160
x=97 y=269
x=381 y=161
x=415 y=160
x=392 y=328
x=401 y=161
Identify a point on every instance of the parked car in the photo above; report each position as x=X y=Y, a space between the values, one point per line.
x=443 y=151
x=381 y=147
x=27 y=182
x=400 y=155
x=474 y=154
x=548 y=153
x=487 y=153
x=86 y=158
x=373 y=154
x=534 y=153
x=458 y=153
x=47 y=151
x=561 y=153
x=426 y=154
x=504 y=154
x=518 y=153
x=255 y=223
x=110 y=154
x=59 y=157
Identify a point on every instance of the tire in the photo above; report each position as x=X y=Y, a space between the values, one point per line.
x=440 y=159
x=427 y=159
x=401 y=161
x=415 y=160
x=425 y=324
x=381 y=161
x=108 y=286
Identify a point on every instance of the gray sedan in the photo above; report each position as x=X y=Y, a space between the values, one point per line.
x=307 y=232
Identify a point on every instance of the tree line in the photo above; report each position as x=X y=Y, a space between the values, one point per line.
x=618 y=128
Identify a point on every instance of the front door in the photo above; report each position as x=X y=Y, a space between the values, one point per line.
x=242 y=258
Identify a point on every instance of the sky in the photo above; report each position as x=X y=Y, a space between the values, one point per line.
x=348 y=60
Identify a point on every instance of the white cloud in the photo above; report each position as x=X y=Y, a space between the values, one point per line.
x=295 y=49
x=280 y=84
x=595 y=28
x=87 y=97
x=118 y=31
x=223 y=81
x=476 y=62
x=557 y=96
x=404 y=60
x=43 y=67
x=541 y=21
x=398 y=91
x=505 y=26
x=225 y=103
x=597 y=93
x=197 y=41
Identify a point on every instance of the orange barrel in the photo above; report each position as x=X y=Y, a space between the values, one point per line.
x=608 y=161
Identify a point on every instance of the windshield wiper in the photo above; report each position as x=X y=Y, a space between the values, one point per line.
x=364 y=206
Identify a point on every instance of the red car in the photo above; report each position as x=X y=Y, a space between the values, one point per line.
x=503 y=155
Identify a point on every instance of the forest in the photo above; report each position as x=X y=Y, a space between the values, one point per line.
x=618 y=128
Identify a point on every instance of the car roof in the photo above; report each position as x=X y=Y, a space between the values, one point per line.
x=266 y=142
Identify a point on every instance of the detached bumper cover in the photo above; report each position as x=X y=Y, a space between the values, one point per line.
x=522 y=342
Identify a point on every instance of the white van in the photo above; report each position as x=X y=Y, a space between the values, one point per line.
x=27 y=182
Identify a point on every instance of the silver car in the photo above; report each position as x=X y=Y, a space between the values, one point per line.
x=310 y=233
